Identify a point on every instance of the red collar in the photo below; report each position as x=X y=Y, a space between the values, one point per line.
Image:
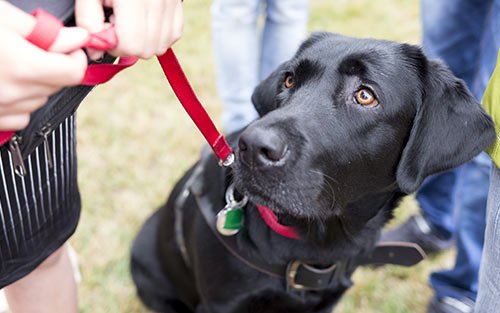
x=272 y=221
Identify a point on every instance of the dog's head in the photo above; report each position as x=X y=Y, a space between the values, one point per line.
x=347 y=118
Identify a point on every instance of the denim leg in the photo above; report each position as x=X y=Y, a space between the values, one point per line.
x=490 y=44
x=452 y=31
x=436 y=200
x=488 y=299
x=236 y=51
x=461 y=280
x=242 y=59
x=284 y=30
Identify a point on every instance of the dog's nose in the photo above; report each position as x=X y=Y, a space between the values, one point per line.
x=262 y=147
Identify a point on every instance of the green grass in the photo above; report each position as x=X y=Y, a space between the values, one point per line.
x=135 y=141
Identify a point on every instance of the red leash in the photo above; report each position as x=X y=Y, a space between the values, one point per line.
x=44 y=34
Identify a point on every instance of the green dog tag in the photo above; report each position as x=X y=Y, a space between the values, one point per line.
x=234 y=219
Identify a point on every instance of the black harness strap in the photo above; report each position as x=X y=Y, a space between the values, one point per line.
x=297 y=274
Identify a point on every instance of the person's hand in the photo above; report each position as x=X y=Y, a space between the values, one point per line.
x=29 y=75
x=144 y=27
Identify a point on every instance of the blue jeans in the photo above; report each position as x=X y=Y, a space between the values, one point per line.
x=488 y=298
x=244 y=55
x=465 y=189
x=460 y=33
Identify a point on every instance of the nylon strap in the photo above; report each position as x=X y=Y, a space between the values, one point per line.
x=44 y=34
x=186 y=95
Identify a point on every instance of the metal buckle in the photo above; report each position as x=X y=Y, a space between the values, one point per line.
x=291 y=273
x=293 y=268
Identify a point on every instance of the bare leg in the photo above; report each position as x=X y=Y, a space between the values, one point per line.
x=49 y=288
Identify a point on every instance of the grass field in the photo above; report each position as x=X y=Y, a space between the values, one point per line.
x=135 y=141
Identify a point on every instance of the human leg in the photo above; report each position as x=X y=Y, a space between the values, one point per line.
x=51 y=287
x=284 y=30
x=489 y=277
x=452 y=31
x=236 y=46
x=488 y=299
x=436 y=198
x=433 y=229
x=461 y=281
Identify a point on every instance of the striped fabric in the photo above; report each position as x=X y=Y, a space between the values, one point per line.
x=38 y=212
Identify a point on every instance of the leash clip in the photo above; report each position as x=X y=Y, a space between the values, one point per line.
x=228 y=161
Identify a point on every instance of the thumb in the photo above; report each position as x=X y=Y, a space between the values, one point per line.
x=15 y=19
x=89 y=15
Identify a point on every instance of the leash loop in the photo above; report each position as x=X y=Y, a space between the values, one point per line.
x=45 y=32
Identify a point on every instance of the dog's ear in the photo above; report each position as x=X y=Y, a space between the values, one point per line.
x=449 y=129
x=264 y=97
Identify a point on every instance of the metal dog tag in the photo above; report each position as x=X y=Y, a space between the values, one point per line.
x=229 y=221
x=230 y=218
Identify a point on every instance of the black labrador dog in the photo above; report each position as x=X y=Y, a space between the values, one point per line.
x=347 y=128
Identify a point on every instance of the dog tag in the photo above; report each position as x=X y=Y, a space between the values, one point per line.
x=229 y=221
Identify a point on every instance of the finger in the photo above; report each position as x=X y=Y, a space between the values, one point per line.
x=61 y=69
x=14 y=122
x=23 y=107
x=131 y=27
x=20 y=91
x=70 y=39
x=171 y=29
x=155 y=15
x=178 y=25
x=16 y=20
x=165 y=31
x=90 y=15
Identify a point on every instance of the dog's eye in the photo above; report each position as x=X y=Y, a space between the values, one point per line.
x=365 y=97
x=289 y=83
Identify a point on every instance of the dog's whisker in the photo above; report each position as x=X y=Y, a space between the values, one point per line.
x=332 y=190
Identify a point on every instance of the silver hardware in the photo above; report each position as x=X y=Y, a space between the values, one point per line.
x=228 y=161
x=44 y=132
x=231 y=205
x=221 y=221
x=17 y=157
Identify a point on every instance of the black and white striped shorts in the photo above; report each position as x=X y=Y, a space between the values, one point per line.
x=40 y=211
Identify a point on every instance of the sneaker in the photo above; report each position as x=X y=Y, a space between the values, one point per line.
x=450 y=305
x=417 y=230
